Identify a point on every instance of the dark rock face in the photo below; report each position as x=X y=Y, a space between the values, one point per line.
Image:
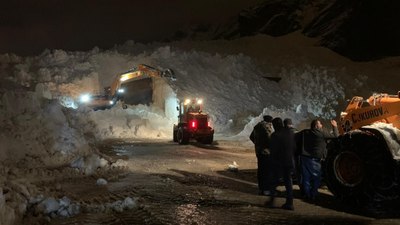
x=274 y=18
x=359 y=29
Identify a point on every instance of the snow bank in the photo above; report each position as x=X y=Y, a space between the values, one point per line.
x=33 y=125
x=42 y=124
x=233 y=86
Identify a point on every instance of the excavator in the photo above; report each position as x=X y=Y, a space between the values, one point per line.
x=362 y=166
x=132 y=87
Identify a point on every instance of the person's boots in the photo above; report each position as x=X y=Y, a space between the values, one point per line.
x=289 y=204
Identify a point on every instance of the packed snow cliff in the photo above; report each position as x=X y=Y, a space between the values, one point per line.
x=43 y=125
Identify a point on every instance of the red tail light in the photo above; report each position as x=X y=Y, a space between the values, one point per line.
x=193 y=124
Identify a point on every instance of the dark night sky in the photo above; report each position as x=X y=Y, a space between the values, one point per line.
x=28 y=27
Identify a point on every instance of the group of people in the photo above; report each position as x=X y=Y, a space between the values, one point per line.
x=281 y=150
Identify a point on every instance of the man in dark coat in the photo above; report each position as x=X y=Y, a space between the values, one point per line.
x=282 y=161
x=312 y=151
x=261 y=136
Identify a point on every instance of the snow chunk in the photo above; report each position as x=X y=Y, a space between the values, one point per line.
x=48 y=206
x=234 y=167
x=101 y=181
x=89 y=164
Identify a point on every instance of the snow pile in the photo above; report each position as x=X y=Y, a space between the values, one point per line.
x=232 y=86
x=139 y=121
x=14 y=195
x=64 y=207
x=118 y=206
x=42 y=125
x=36 y=126
x=89 y=164
x=54 y=208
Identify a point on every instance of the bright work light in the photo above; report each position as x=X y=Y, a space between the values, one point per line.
x=85 y=98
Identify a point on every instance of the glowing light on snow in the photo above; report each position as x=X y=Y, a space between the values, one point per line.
x=85 y=98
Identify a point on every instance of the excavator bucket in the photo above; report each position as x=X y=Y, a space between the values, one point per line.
x=139 y=91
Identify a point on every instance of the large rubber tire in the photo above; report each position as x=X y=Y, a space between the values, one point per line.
x=208 y=140
x=359 y=169
x=175 y=134
x=183 y=137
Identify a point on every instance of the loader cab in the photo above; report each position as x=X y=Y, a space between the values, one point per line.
x=190 y=106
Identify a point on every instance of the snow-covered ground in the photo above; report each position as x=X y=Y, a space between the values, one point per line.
x=41 y=125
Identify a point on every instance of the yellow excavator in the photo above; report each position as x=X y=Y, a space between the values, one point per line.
x=132 y=87
x=363 y=165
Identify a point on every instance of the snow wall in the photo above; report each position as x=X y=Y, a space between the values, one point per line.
x=39 y=96
x=42 y=125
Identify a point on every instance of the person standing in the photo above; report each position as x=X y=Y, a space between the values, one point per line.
x=282 y=161
x=313 y=150
x=288 y=123
x=261 y=136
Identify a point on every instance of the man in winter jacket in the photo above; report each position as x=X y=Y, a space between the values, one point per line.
x=312 y=151
x=283 y=146
x=261 y=136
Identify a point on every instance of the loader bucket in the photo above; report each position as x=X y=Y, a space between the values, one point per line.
x=138 y=92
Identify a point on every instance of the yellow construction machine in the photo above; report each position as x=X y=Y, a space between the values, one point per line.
x=132 y=87
x=363 y=164
x=193 y=123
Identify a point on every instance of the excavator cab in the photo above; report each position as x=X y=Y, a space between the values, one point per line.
x=137 y=91
x=138 y=84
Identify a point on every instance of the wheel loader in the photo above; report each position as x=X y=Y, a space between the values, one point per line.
x=132 y=87
x=363 y=165
x=193 y=123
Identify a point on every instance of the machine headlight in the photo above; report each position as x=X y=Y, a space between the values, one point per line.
x=85 y=98
x=111 y=102
x=199 y=101
x=187 y=101
x=121 y=90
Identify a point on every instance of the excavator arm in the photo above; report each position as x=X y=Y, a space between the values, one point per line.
x=134 y=86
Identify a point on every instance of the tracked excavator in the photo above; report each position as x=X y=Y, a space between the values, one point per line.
x=132 y=87
x=363 y=165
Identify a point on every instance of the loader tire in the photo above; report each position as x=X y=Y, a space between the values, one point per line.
x=360 y=171
x=175 y=135
x=183 y=137
x=208 y=140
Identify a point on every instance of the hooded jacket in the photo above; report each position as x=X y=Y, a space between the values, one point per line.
x=261 y=136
